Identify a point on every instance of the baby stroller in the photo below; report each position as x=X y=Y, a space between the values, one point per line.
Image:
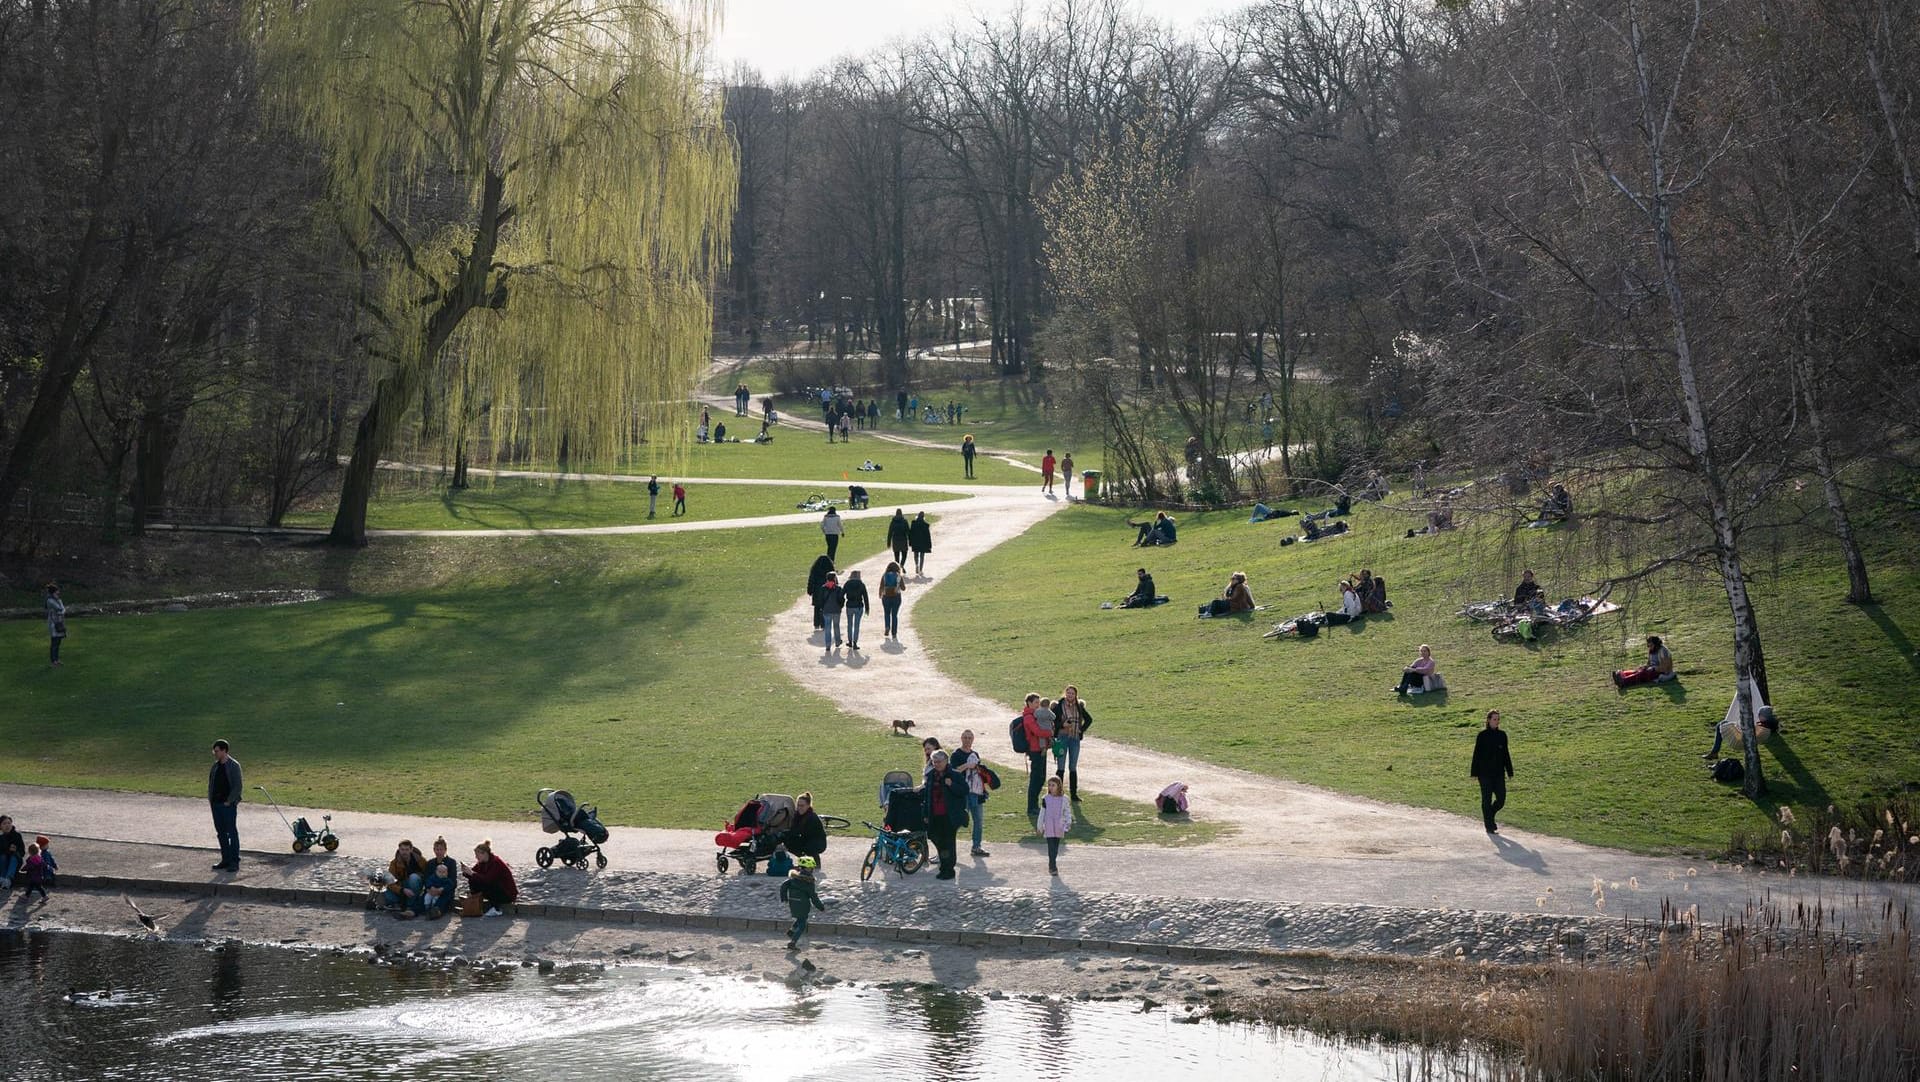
x=754 y=832
x=561 y=814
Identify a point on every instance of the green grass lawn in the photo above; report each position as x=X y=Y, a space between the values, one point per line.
x=1592 y=763
x=460 y=675
x=414 y=502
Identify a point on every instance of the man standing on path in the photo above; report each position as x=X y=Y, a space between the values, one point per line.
x=1493 y=766
x=831 y=526
x=653 y=494
x=223 y=796
x=946 y=809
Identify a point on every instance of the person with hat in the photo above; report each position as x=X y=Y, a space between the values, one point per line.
x=801 y=892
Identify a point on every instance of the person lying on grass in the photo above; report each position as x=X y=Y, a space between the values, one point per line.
x=1657 y=670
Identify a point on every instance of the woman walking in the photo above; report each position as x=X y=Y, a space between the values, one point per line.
x=967 y=451
x=892 y=584
x=897 y=531
x=920 y=539
x=1071 y=722
x=857 y=604
x=1056 y=818
x=56 y=622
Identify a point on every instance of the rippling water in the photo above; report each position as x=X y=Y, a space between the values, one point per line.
x=88 y=1007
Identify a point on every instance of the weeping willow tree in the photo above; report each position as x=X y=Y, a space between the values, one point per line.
x=539 y=192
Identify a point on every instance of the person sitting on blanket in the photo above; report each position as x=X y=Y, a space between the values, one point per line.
x=1657 y=670
x=1529 y=595
x=1765 y=724
x=1142 y=595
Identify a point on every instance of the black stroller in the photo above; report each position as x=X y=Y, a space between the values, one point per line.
x=561 y=814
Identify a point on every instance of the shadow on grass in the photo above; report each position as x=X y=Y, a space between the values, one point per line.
x=1893 y=632
x=1801 y=787
x=1428 y=698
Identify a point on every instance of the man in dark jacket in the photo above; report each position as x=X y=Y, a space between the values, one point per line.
x=897 y=530
x=1493 y=766
x=831 y=600
x=1142 y=595
x=223 y=796
x=816 y=578
x=946 y=807
x=920 y=540
x=857 y=603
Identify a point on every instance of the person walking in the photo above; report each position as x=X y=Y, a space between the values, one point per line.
x=1047 y=463
x=833 y=600
x=817 y=576
x=653 y=494
x=56 y=623
x=967 y=762
x=846 y=426
x=832 y=527
x=1039 y=737
x=1072 y=721
x=223 y=797
x=946 y=809
x=1056 y=818
x=920 y=540
x=967 y=451
x=1066 y=475
x=857 y=604
x=893 y=584
x=1493 y=766
x=679 y=498
x=801 y=892
x=897 y=535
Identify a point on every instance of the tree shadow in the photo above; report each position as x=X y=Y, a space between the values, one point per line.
x=1801 y=786
x=1893 y=632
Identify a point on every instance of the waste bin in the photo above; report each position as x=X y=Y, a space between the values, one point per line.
x=1090 y=484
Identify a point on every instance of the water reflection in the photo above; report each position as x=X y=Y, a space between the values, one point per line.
x=96 y=1007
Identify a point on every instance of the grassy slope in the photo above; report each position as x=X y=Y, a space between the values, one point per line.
x=412 y=502
x=1592 y=763
x=462 y=675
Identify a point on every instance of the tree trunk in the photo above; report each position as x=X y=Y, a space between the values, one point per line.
x=1859 y=590
x=393 y=395
x=159 y=434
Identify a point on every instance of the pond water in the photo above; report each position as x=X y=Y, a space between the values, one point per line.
x=93 y=1007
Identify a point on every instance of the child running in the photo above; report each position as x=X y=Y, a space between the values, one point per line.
x=1056 y=818
x=802 y=895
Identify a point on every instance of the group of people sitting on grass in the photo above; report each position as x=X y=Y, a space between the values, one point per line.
x=416 y=884
x=1236 y=598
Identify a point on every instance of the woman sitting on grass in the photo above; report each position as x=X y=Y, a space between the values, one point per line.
x=1657 y=670
x=1161 y=531
x=1414 y=677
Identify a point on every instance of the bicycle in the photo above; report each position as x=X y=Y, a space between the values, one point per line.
x=906 y=852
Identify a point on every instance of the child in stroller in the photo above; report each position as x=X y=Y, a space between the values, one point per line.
x=560 y=813
x=754 y=832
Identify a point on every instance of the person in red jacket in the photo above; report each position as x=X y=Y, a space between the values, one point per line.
x=1036 y=721
x=491 y=879
x=1046 y=471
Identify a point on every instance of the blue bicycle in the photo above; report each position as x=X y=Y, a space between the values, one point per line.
x=906 y=851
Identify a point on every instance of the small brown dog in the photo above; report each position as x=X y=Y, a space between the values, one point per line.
x=903 y=726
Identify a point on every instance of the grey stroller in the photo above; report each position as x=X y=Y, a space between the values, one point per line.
x=561 y=814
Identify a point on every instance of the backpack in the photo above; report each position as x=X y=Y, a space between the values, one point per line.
x=1729 y=770
x=1017 y=732
x=1306 y=628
